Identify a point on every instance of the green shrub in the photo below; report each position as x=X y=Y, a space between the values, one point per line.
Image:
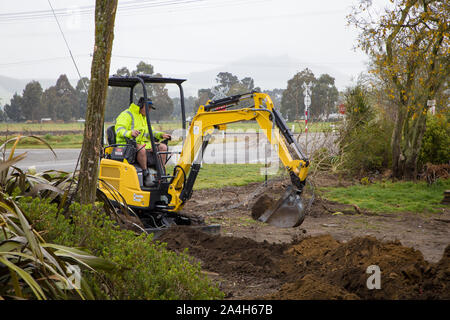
x=146 y=269
x=368 y=148
x=357 y=107
x=436 y=141
x=364 y=136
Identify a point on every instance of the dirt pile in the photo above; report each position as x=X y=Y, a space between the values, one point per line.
x=319 y=267
x=228 y=255
x=404 y=272
x=310 y=287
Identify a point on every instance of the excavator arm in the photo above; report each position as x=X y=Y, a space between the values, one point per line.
x=215 y=115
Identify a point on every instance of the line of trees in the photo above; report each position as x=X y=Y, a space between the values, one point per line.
x=118 y=99
x=290 y=101
x=63 y=102
x=324 y=96
x=59 y=102
x=227 y=84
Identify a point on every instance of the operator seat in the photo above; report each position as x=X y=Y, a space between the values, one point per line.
x=120 y=156
x=111 y=135
x=111 y=139
x=118 y=153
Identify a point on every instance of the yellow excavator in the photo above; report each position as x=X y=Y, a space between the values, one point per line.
x=160 y=205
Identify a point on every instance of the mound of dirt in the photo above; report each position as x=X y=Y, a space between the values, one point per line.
x=228 y=255
x=311 y=288
x=319 y=267
x=404 y=272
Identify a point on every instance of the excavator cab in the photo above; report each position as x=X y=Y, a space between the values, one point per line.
x=121 y=177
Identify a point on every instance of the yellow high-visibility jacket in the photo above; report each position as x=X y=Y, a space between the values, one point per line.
x=132 y=119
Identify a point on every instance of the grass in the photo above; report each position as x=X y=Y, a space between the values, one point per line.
x=220 y=175
x=217 y=176
x=57 y=142
x=32 y=127
x=388 y=197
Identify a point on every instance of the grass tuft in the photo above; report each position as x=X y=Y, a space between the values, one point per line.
x=389 y=197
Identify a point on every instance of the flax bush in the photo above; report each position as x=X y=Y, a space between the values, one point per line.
x=145 y=268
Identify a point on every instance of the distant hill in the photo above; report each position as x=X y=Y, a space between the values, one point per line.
x=269 y=72
x=8 y=86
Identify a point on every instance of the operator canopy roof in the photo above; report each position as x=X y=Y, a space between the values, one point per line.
x=131 y=81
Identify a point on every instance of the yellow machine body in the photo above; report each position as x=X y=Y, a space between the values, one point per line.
x=124 y=179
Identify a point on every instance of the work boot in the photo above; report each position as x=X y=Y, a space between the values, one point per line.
x=148 y=181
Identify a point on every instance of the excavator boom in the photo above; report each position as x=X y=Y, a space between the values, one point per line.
x=288 y=211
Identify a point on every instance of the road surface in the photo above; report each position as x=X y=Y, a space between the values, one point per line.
x=236 y=149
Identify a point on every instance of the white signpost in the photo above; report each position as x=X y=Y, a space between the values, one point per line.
x=307 y=93
x=432 y=105
x=307 y=102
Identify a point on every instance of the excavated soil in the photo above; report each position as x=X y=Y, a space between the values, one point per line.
x=228 y=255
x=316 y=267
x=327 y=257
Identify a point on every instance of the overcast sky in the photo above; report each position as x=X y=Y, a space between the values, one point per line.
x=180 y=37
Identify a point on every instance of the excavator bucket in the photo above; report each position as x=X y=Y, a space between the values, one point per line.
x=287 y=212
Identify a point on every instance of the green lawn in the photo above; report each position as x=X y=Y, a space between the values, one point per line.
x=32 y=127
x=56 y=142
x=220 y=175
x=390 y=197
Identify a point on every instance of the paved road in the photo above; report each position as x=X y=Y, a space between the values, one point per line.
x=44 y=159
x=217 y=153
x=235 y=150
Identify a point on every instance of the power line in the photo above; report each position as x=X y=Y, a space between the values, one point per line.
x=136 y=5
x=85 y=88
x=67 y=45
x=35 y=61
x=226 y=3
x=206 y=62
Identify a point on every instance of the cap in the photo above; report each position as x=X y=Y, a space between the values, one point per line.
x=149 y=102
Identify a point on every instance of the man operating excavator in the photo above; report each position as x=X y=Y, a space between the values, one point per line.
x=132 y=124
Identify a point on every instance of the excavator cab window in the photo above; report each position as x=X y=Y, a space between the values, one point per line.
x=145 y=86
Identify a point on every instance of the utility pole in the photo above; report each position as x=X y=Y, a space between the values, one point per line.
x=105 y=13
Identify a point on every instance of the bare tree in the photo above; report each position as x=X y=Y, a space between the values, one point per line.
x=105 y=13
